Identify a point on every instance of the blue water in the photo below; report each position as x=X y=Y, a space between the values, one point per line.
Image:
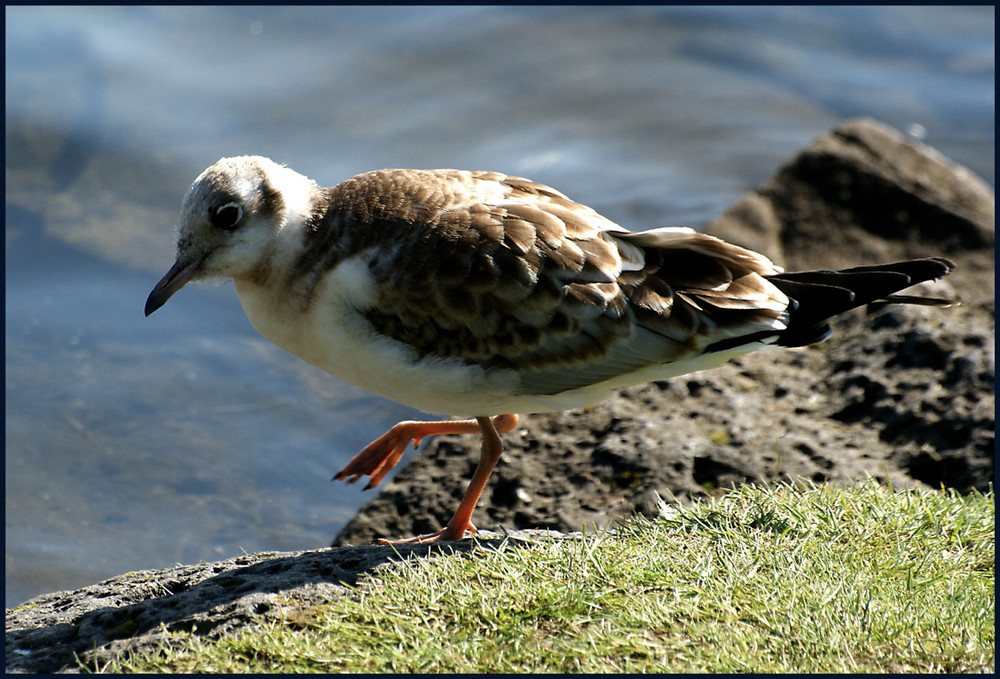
x=136 y=443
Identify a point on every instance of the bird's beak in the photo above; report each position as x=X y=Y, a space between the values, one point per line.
x=179 y=274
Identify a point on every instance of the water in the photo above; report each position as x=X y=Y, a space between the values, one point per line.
x=136 y=443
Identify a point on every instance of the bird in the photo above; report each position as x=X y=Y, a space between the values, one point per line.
x=488 y=296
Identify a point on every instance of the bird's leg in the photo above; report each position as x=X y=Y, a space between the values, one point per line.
x=379 y=457
x=488 y=458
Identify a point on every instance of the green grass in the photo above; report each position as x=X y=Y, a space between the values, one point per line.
x=818 y=579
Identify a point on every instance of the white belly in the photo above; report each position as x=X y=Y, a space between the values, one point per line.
x=333 y=336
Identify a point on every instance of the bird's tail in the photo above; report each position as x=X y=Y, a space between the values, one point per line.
x=820 y=295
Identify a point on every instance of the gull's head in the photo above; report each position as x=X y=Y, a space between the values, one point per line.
x=230 y=221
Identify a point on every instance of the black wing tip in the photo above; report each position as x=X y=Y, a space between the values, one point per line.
x=920 y=270
x=937 y=266
x=945 y=262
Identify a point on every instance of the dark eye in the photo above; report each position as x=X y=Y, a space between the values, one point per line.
x=227 y=217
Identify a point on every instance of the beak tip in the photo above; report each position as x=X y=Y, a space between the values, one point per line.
x=153 y=302
x=156 y=299
x=173 y=281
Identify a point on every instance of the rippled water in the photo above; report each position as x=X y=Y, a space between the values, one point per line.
x=136 y=443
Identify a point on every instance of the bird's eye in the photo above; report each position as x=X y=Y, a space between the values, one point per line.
x=227 y=217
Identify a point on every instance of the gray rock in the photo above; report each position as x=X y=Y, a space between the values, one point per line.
x=138 y=610
x=865 y=194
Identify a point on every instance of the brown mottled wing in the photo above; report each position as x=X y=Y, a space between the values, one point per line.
x=507 y=273
x=717 y=289
x=489 y=268
x=686 y=292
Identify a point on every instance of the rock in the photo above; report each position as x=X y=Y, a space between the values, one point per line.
x=926 y=385
x=905 y=396
x=864 y=195
x=137 y=611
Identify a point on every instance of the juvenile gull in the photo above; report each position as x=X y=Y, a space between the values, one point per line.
x=481 y=294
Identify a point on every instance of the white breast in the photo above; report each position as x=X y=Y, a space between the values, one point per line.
x=333 y=335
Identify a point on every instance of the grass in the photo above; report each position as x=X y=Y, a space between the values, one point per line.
x=818 y=579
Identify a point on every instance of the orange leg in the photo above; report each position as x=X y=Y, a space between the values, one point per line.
x=490 y=455
x=379 y=457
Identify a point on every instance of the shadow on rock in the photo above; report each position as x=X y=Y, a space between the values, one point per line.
x=137 y=610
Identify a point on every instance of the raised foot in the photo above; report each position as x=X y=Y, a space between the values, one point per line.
x=378 y=458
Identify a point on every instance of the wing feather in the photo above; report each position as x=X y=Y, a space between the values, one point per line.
x=512 y=275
